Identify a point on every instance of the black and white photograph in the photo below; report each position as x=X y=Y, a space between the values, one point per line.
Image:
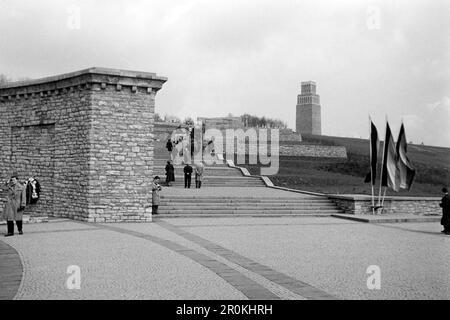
x=224 y=155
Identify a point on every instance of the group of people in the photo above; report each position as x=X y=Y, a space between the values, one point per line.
x=188 y=170
x=170 y=177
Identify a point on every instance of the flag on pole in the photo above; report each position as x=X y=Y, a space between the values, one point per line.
x=405 y=171
x=389 y=161
x=374 y=147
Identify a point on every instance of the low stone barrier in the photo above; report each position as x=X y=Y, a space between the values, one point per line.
x=362 y=204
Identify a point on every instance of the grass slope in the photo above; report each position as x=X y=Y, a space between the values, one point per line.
x=340 y=176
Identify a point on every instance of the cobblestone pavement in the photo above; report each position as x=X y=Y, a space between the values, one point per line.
x=234 y=258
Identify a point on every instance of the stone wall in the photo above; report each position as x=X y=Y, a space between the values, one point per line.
x=360 y=204
x=299 y=150
x=87 y=137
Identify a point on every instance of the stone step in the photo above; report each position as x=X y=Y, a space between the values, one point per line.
x=223 y=178
x=206 y=174
x=163 y=163
x=209 y=171
x=211 y=181
x=214 y=181
x=179 y=184
x=216 y=202
x=236 y=215
x=228 y=207
x=247 y=211
x=243 y=198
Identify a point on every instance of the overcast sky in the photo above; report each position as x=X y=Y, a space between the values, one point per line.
x=368 y=57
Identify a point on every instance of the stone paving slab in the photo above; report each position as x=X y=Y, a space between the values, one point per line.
x=391 y=218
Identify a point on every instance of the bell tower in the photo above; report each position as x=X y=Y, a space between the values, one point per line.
x=308 y=117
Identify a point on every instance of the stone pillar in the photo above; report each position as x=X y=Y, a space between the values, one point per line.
x=87 y=136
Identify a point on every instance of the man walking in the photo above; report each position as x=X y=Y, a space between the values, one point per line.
x=187 y=176
x=445 y=205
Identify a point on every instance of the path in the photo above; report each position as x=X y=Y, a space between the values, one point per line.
x=233 y=258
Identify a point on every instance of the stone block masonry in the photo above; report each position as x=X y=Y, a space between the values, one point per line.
x=87 y=136
x=361 y=204
x=299 y=150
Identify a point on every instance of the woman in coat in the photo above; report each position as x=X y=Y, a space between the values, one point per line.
x=14 y=205
x=170 y=173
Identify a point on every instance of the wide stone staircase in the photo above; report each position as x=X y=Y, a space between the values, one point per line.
x=227 y=192
x=245 y=205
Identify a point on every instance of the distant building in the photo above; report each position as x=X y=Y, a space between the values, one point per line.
x=222 y=123
x=308 y=117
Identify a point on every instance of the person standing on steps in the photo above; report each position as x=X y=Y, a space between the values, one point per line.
x=169 y=147
x=445 y=205
x=187 y=176
x=199 y=168
x=15 y=203
x=170 y=173
x=156 y=188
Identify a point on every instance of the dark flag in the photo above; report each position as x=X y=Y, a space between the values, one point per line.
x=405 y=171
x=374 y=146
x=389 y=167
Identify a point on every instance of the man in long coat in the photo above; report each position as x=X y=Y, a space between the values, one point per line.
x=199 y=167
x=14 y=205
x=156 y=188
x=445 y=205
x=170 y=173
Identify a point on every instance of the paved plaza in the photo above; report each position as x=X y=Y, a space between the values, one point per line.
x=227 y=258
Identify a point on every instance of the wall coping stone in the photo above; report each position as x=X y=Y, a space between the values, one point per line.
x=82 y=79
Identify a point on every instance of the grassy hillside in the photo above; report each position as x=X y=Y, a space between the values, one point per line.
x=347 y=176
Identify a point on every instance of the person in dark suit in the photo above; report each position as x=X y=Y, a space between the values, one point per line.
x=445 y=205
x=187 y=175
x=170 y=173
x=169 y=147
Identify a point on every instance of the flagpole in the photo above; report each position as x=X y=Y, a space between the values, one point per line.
x=382 y=164
x=373 y=201
x=382 y=203
x=371 y=171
